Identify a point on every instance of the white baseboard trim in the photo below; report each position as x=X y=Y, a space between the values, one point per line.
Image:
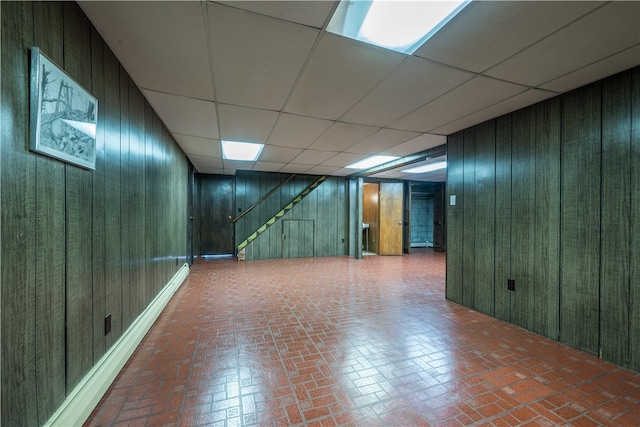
x=77 y=407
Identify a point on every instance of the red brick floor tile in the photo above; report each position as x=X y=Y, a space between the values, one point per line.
x=344 y=342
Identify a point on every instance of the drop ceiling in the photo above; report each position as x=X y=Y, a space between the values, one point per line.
x=267 y=71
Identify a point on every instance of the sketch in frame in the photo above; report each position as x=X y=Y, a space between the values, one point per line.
x=63 y=114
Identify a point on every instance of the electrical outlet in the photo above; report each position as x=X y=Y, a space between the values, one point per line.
x=107 y=324
x=511 y=284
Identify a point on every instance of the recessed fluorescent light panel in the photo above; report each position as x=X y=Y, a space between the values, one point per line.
x=247 y=151
x=427 y=168
x=370 y=162
x=400 y=25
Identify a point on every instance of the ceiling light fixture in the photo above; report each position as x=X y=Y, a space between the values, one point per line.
x=370 y=162
x=427 y=168
x=246 y=151
x=400 y=25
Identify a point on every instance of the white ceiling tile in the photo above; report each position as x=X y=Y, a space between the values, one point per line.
x=207 y=162
x=478 y=93
x=156 y=42
x=267 y=166
x=420 y=143
x=297 y=131
x=184 y=115
x=271 y=153
x=381 y=141
x=488 y=32
x=211 y=171
x=295 y=168
x=245 y=124
x=256 y=59
x=512 y=104
x=610 y=29
x=321 y=170
x=310 y=13
x=342 y=172
x=341 y=136
x=343 y=159
x=606 y=67
x=414 y=84
x=313 y=157
x=231 y=166
x=199 y=146
x=340 y=72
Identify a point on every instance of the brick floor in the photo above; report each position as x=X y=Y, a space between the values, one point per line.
x=345 y=342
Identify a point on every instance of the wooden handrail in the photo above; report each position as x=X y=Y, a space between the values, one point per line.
x=262 y=199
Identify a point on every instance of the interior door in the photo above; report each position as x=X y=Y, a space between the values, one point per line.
x=391 y=222
x=216 y=210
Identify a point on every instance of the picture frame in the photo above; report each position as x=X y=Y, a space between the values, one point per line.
x=64 y=115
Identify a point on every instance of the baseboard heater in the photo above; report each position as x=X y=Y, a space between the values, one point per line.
x=82 y=400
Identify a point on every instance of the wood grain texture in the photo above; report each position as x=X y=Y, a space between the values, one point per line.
x=216 y=206
x=50 y=242
x=634 y=256
x=151 y=214
x=113 y=205
x=126 y=185
x=523 y=201
x=484 y=262
x=455 y=216
x=503 y=217
x=79 y=214
x=390 y=218
x=371 y=216
x=18 y=237
x=580 y=216
x=615 y=220
x=545 y=308
x=469 y=220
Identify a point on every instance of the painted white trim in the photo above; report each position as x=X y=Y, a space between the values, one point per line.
x=77 y=407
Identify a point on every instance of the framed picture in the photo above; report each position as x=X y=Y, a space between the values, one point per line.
x=64 y=115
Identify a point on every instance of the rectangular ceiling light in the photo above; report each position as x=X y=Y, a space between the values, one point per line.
x=235 y=150
x=400 y=25
x=370 y=162
x=427 y=168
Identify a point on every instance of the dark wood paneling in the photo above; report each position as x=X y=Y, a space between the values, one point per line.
x=503 y=217
x=469 y=220
x=580 y=216
x=79 y=214
x=216 y=198
x=545 y=309
x=439 y=209
x=49 y=243
x=371 y=216
x=455 y=216
x=634 y=284
x=18 y=233
x=113 y=217
x=98 y=220
x=151 y=214
x=485 y=190
x=616 y=208
x=126 y=185
x=523 y=195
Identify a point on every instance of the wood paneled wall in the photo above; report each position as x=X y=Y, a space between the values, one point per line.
x=549 y=196
x=325 y=206
x=78 y=244
x=371 y=216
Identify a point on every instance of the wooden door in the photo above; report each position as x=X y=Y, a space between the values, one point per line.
x=216 y=210
x=297 y=238
x=391 y=202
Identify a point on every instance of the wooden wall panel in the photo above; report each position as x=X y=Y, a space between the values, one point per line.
x=485 y=190
x=50 y=242
x=523 y=198
x=503 y=217
x=615 y=220
x=98 y=220
x=546 y=244
x=79 y=214
x=126 y=185
x=580 y=216
x=455 y=216
x=18 y=233
x=150 y=218
x=469 y=219
x=634 y=256
x=113 y=183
